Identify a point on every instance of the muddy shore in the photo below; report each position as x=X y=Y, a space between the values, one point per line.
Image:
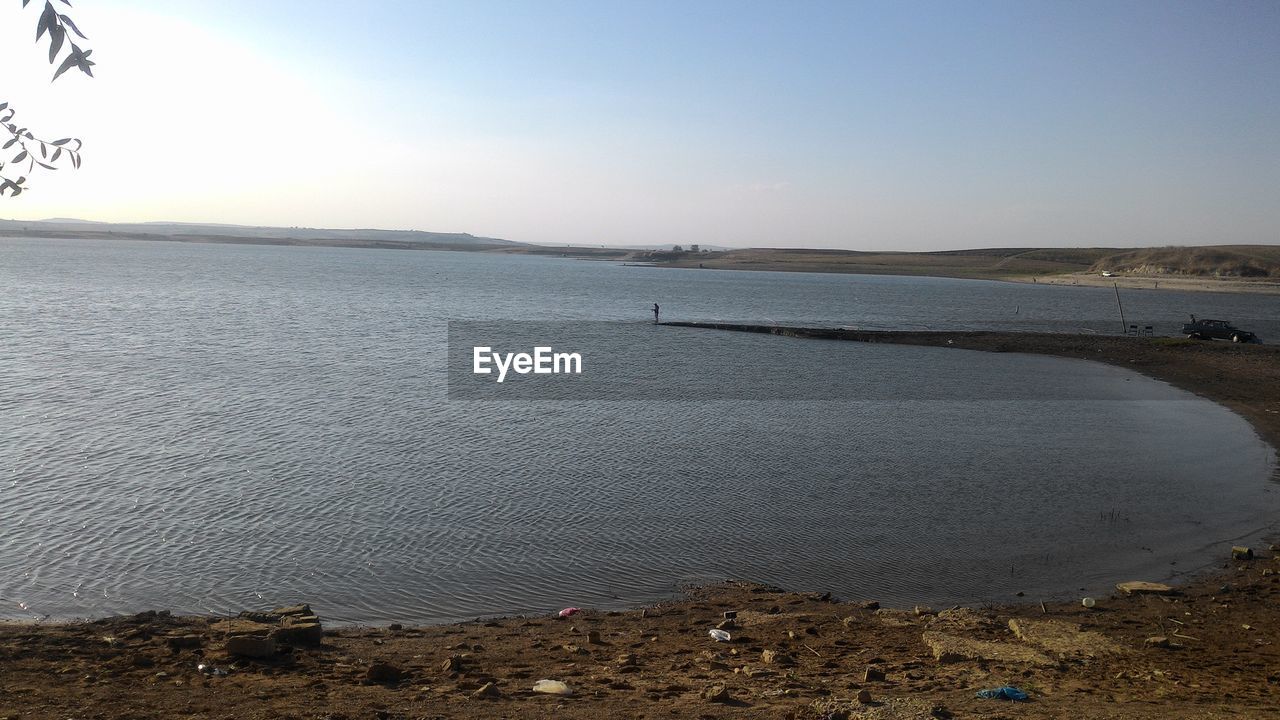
x=1209 y=649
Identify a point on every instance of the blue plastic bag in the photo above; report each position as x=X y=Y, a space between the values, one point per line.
x=1008 y=692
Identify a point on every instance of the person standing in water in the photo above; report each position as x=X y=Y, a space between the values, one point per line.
x=655 y=313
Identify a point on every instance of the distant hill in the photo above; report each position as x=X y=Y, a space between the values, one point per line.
x=248 y=234
x=978 y=263
x=1245 y=262
x=1230 y=261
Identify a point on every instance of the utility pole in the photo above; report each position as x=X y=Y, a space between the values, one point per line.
x=1124 y=329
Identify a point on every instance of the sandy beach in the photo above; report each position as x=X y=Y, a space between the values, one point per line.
x=1205 y=648
x=1131 y=282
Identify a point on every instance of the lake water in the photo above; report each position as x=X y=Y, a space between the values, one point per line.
x=209 y=428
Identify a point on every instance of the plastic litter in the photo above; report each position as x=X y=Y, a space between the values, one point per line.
x=719 y=635
x=551 y=687
x=1088 y=602
x=211 y=670
x=1007 y=692
x=569 y=611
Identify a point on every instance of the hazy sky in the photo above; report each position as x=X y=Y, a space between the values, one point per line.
x=847 y=124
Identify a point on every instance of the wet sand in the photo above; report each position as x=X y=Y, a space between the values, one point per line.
x=1210 y=650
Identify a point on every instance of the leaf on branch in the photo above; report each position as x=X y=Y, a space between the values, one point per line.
x=66 y=65
x=4 y=105
x=9 y=144
x=13 y=187
x=63 y=141
x=20 y=156
x=44 y=152
x=75 y=160
x=46 y=166
x=67 y=21
x=56 y=36
x=48 y=19
x=56 y=154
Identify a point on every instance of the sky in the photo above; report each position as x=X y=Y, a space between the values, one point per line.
x=854 y=124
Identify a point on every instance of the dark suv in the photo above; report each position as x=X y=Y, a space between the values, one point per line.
x=1217 y=329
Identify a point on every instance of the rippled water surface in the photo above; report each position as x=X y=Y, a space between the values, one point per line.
x=212 y=428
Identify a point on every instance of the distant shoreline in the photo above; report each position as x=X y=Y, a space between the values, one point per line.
x=1044 y=266
x=241 y=240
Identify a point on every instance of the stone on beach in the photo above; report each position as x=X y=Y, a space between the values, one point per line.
x=774 y=657
x=253 y=646
x=959 y=619
x=384 y=672
x=274 y=616
x=717 y=694
x=551 y=687
x=291 y=625
x=235 y=627
x=179 y=642
x=302 y=629
x=299 y=634
x=1063 y=639
x=953 y=648
x=1141 y=587
x=488 y=691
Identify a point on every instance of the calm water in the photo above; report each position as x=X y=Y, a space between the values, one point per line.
x=212 y=428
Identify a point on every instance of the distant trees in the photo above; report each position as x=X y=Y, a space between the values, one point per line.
x=19 y=139
x=677 y=249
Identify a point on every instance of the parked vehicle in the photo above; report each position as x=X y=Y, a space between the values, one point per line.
x=1217 y=330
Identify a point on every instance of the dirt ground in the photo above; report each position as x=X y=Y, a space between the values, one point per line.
x=1209 y=650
